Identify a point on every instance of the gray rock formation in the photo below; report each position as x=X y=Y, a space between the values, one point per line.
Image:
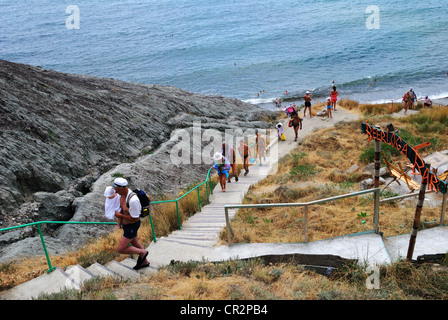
x=64 y=136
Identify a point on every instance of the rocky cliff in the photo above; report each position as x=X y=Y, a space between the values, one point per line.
x=64 y=137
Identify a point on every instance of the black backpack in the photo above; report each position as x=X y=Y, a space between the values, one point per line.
x=145 y=201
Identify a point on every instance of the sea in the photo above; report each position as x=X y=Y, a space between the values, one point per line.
x=252 y=50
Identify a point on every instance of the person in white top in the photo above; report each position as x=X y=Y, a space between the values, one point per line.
x=280 y=132
x=427 y=103
x=112 y=204
x=130 y=215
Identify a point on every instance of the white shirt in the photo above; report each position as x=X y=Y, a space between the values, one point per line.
x=112 y=205
x=135 y=207
x=280 y=130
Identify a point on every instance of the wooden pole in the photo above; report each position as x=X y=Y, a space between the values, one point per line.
x=442 y=212
x=418 y=211
x=377 y=184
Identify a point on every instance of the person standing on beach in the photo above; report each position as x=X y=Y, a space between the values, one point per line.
x=334 y=98
x=407 y=100
x=307 y=98
x=329 y=104
x=413 y=98
x=130 y=215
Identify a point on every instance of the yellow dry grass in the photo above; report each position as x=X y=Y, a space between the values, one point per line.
x=260 y=282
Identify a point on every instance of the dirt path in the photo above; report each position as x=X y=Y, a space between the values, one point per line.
x=309 y=125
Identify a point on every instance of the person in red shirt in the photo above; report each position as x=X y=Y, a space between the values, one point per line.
x=334 y=98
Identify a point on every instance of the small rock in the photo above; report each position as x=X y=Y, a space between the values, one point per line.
x=353 y=168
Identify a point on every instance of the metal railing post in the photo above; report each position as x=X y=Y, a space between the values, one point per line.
x=305 y=224
x=152 y=228
x=178 y=216
x=50 y=268
x=376 y=211
x=199 y=199
x=206 y=190
x=229 y=229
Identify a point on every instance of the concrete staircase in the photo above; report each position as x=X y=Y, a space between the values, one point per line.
x=198 y=240
x=73 y=278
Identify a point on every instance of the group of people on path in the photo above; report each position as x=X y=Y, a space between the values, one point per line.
x=331 y=104
x=121 y=203
x=410 y=99
x=226 y=159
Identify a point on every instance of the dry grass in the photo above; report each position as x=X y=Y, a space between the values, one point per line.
x=255 y=280
x=377 y=109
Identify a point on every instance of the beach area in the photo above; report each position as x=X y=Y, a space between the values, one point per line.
x=319 y=106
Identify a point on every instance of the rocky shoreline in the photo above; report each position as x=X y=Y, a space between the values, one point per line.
x=65 y=136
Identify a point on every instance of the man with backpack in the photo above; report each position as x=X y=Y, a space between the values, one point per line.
x=131 y=209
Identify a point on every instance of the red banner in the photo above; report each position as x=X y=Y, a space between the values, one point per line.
x=418 y=165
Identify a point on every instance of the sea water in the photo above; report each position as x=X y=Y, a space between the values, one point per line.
x=253 y=50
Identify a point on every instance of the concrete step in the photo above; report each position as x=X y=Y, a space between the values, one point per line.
x=124 y=271
x=194 y=235
x=101 y=271
x=199 y=224
x=79 y=274
x=73 y=278
x=48 y=283
x=182 y=242
x=132 y=262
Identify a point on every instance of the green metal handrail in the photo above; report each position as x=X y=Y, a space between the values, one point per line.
x=38 y=223
x=207 y=183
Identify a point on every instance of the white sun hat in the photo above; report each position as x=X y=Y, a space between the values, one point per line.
x=217 y=156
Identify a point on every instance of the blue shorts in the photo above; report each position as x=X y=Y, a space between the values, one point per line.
x=224 y=171
x=130 y=230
